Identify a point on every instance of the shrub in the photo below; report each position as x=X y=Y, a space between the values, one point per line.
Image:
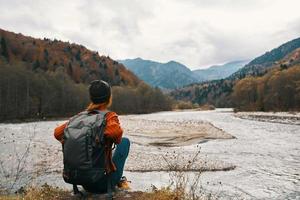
x=183 y=105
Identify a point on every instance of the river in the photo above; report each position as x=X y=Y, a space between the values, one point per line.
x=266 y=155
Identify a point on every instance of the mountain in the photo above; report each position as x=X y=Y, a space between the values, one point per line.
x=81 y=65
x=219 y=71
x=168 y=75
x=218 y=92
x=261 y=64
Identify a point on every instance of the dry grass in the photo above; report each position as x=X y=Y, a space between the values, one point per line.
x=164 y=194
x=47 y=192
x=44 y=192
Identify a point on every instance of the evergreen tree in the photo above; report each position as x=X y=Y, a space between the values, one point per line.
x=4 y=48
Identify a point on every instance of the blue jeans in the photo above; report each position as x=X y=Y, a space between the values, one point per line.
x=119 y=159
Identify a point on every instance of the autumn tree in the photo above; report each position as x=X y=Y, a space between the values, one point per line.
x=278 y=90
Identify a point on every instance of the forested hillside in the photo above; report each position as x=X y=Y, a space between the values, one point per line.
x=81 y=64
x=49 y=78
x=219 y=92
x=277 y=90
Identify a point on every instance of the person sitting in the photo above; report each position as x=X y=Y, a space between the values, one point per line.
x=101 y=158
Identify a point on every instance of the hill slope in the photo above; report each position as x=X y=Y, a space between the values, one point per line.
x=45 y=78
x=164 y=75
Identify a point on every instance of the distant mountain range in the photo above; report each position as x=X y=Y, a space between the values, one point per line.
x=173 y=74
x=216 y=72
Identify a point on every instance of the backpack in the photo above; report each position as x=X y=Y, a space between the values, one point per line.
x=83 y=149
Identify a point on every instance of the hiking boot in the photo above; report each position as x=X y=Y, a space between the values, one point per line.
x=124 y=184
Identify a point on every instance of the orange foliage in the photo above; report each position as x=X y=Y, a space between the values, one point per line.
x=50 y=55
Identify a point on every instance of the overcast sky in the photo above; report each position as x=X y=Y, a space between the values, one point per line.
x=197 y=33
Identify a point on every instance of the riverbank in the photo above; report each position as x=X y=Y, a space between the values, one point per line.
x=47 y=192
x=274 y=117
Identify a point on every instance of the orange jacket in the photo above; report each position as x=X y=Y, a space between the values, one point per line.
x=112 y=132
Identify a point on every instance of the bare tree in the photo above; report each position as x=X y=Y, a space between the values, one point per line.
x=184 y=186
x=14 y=172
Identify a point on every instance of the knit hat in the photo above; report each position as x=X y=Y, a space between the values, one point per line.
x=100 y=91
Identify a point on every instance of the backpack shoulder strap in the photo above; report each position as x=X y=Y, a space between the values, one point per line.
x=100 y=114
x=100 y=125
x=104 y=112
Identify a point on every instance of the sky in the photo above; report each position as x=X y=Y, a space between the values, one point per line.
x=197 y=33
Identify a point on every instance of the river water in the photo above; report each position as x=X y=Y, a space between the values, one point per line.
x=266 y=155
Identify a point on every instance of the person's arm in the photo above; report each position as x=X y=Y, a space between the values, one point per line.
x=59 y=132
x=113 y=130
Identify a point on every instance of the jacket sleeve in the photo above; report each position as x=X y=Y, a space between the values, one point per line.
x=59 y=132
x=113 y=130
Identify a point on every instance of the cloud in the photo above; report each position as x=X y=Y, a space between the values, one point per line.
x=195 y=32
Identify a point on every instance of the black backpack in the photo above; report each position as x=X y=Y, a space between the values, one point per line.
x=83 y=150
